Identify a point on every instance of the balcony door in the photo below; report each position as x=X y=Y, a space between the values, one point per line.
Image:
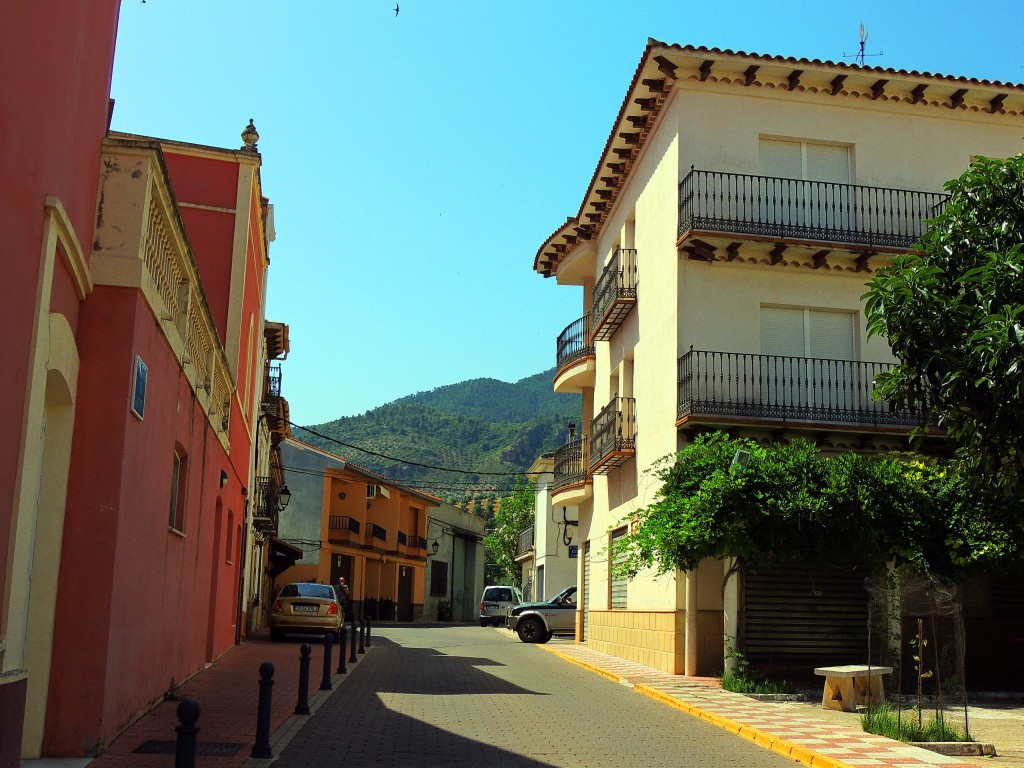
x=807 y=184
x=807 y=359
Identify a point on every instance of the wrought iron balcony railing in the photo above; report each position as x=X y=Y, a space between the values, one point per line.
x=614 y=294
x=613 y=435
x=343 y=523
x=266 y=510
x=273 y=382
x=820 y=211
x=774 y=387
x=572 y=463
x=525 y=542
x=573 y=343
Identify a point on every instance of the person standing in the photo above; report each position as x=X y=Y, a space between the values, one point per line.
x=344 y=599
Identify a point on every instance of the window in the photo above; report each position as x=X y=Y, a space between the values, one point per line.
x=819 y=198
x=438 y=579
x=617 y=580
x=139 y=379
x=371 y=491
x=179 y=481
x=809 y=345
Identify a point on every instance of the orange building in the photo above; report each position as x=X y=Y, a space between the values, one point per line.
x=349 y=521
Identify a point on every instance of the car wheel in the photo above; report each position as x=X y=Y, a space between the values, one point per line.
x=531 y=631
x=483 y=622
x=276 y=634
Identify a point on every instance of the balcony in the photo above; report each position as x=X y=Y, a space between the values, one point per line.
x=572 y=481
x=342 y=529
x=734 y=388
x=266 y=510
x=613 y=436
x=524 y=547
x=375 y=537
x=274 y=407
x=819 y=212
x=409 y=544
x=574 y=357
x=614 y=294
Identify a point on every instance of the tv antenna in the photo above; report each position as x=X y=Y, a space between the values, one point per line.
x=858 y=58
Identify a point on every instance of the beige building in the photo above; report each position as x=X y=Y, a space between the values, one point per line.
x=723 y=245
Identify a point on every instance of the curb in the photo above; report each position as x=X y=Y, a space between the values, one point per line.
x=785 y=748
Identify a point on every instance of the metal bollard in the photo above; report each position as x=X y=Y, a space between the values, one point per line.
x=362 y=633
x=325 y=683
x=341 y=651
x=352 y=656
x=261 y=749
x=368 y=643
x=302 y=706
x=185 y=746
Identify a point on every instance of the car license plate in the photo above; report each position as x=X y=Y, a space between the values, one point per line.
x=304 y=608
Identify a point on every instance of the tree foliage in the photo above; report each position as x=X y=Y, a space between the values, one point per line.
x=513 y=517
x=792 y=504
x=954 y=316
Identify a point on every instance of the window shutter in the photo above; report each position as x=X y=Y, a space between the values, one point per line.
x=782 y=332
x=781 y=159
x=831 y=335
x=827 y=162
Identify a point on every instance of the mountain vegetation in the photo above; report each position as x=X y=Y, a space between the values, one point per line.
x=490 y=431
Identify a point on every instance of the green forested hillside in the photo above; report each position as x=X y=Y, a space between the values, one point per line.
x=480 y=426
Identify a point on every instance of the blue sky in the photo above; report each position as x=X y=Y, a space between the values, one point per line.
x=417 y=162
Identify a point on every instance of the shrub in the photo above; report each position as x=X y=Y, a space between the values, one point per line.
x=883 y=721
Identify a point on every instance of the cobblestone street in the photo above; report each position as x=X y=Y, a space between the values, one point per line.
x=466 y=696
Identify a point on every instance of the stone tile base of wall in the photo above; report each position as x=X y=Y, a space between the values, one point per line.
x=658 y=638
x=653 y=638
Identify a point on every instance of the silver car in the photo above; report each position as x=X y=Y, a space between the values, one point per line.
x=495 y=603
x=537 y=622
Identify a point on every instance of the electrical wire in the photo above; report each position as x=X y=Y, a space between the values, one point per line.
x=403 y=461
x=449 y=485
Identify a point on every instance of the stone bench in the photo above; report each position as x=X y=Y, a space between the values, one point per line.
x=852 y=685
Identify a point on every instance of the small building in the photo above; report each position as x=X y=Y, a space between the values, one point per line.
x=455 y=564
x=547 y=551
x=349 y=521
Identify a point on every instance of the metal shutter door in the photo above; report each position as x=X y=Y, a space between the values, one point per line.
x=586 y=587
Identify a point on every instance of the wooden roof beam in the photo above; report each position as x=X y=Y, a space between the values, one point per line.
x=918 y=93
x=878 y=88
x=648 y=104
x=630 y=138
x=997 y=103
x=604 y=194
x=625 y=152
x=863 y=259
x=837 y=84
x=638 y=121
x=583 y=232
x=957 y=99
x=820 y=257
x=655 y=85
x=732 y=250
x=616 y=167
x=611 y=181
x=750 y=76
x=666 y=67
x=794 y=79
x=777 y=252
x=705 y=69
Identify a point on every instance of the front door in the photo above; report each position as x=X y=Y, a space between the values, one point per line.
x=405 y=578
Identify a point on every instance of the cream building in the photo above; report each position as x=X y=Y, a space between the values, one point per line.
x=723 y=245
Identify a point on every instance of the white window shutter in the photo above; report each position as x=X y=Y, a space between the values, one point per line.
x=782 y=332
x=831 y=335
x=828 y=162
x=781 y=159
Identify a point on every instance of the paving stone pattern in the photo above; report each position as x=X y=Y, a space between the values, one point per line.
x=467 y=696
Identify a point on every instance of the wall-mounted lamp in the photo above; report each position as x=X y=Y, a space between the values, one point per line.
x=567 y=529
x=434 y=547
x=284 y=496
x=341 y=495
x=223 y=478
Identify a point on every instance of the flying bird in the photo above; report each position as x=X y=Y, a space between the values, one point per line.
x=396 y=9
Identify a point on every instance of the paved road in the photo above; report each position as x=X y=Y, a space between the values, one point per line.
x=468 y=696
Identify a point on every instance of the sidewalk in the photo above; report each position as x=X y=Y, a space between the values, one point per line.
x=802 y=731
x=228 y=694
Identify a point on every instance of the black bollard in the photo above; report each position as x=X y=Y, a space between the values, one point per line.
x=341 y=651
x=362 y=632
x=368 y=643
x=261 y=749
x=185 y=747
x=352 y=656
x=302 y=706
x=325 y=683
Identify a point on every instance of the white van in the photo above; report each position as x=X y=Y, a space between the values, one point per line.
x=496 y=602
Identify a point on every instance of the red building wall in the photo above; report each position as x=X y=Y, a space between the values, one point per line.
x=55 y=70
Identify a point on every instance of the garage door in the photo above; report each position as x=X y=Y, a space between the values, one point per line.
x=585 y=587
x=793 y=616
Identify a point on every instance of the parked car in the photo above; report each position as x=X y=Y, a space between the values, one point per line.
x=495 y=602
x=537 y=622
x=305 y=607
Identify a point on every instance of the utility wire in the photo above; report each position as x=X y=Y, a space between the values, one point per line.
x=404 y=461
x=451 y=485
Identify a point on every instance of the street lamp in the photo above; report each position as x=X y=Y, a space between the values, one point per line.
x=284 y=496
x=435 y=546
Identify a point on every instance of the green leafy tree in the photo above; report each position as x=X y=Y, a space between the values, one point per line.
x=513 y=517
x=792 y=504
x=953 y=315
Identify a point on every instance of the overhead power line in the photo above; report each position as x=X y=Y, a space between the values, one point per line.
x=405 y=461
